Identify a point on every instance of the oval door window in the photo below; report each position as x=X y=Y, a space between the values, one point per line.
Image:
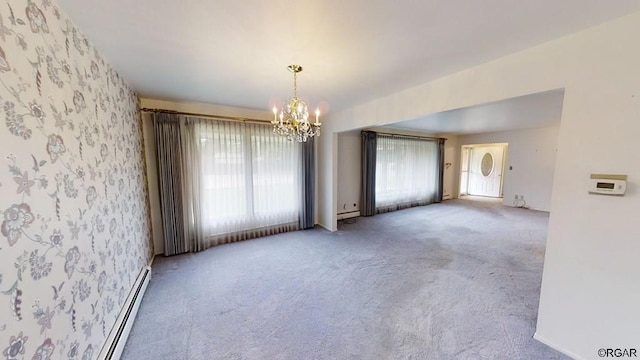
x=486 y=166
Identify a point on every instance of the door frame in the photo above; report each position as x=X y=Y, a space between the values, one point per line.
x=464 y=180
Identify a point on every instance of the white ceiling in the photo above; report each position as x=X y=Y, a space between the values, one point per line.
x=524 y=112
x=235 y=52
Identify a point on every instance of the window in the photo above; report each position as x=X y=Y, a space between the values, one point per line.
x=406 y=172
x=251 y=178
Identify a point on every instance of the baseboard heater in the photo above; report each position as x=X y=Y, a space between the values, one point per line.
x=348 y=214
x=112 y=349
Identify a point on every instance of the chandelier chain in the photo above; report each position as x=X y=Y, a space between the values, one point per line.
x=295 y=84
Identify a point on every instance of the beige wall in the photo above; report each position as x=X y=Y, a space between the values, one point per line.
x=451 y=166
x=529 y=165
x=349 y=171
x=207 y=109
x=590 y=292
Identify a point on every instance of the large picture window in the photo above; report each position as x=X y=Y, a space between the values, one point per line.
x=406 y=172
x=225 y=181
x=250 y=178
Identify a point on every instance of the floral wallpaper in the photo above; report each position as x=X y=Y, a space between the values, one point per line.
x=74 y=228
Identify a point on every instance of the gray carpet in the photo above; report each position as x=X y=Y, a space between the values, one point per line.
x=457 y=280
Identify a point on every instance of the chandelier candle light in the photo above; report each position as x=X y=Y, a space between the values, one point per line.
x=293 y=119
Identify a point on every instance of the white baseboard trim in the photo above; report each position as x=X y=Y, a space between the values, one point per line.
x=556 y=347
x=112 y=349
x=325 y=227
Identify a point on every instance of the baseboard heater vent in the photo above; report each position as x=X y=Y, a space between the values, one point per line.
x=112 y=349
x=348 y=215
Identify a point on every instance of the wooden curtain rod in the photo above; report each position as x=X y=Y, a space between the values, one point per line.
x=409 y=136
x=208 y=116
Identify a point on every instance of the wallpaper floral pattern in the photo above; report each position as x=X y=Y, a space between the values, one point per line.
x=74 y=228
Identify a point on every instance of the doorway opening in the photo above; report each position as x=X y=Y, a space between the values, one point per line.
x=482 y=169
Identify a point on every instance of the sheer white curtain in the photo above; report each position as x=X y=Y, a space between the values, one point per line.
x=249 y=183
x=406 y=172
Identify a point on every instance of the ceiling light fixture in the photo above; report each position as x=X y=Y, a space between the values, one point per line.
x=292 y=120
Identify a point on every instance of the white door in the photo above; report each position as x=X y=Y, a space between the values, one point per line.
x=485 y=170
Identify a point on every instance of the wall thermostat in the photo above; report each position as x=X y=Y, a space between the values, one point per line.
x=608 y=184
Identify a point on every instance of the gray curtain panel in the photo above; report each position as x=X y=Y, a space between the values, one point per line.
x=440 y=175
x=307 y=220
x=192 y=155
x=368 y=197
x=170 y=181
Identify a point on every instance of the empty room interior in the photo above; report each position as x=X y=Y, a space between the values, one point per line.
x=319 y=180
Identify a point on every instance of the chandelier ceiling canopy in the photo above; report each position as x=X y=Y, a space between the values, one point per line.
x=292 y=121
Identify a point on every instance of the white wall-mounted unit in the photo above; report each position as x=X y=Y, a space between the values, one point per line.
x=603 y=184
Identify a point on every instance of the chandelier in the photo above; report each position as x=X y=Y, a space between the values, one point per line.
x=292 y=121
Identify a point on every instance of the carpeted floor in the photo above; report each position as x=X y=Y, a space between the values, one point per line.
x=457 y=280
